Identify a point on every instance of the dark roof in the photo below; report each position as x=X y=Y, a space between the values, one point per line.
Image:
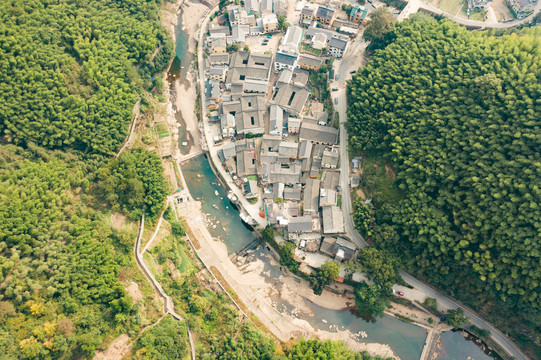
x=318 y=133
x=285 y=58
x=325 y=13
x=300 y=224
x=338 y=43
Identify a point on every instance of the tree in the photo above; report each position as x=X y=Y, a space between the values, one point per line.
x=232 y=48
x=287 y=252
x=458 y=210
x=246 y=48
x=370 y=299
x=323 y=275
x=282 y=23
x=456 y=318
x=380 y=266
x=380 y=23
x=316 y=349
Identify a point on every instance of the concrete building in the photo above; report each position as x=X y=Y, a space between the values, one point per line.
x=318 y=134
x=285 y=61
x=246 y=165
x=270 y=23
x=251 y=7
x=287 y=175
x=288 y=150
x=250 y=189
x=276 y=120
x=227 y=152
x=237 y=15
x=319 y=41
x=330 y=158
x=292 y=40
x=292 y=193
x=217 y=73
x=333 y=221
x=357 y=15
x=325 y=16
x=218 y=59
x=317 y=155
x=248 y=72
x=311 y=197
x=327 y=197
x=337 y=47
x=300 y=224
x=227 y=124
x=339 y=248
x=291 y=98
x=249 y=112
x=266 y=6
x=305 y=150
x=331 y=180
x=239 y=32
x=307 y=14
x=308 y=62
x=521 y=8
x=293 y=125
x=280 y=7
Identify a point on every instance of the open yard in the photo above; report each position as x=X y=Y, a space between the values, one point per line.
x=255 y=43
x=451 y=6
x=502 y=11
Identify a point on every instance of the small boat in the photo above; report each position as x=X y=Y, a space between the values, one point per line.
x=216 y=192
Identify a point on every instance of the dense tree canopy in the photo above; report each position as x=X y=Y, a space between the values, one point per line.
x=456 y=113
x=68 y=69
x=314 y=349
x=58 y=262
x=166 y=341
x=134 y=180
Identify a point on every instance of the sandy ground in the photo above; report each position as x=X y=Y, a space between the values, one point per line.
x=185 y=93
x=262 y=295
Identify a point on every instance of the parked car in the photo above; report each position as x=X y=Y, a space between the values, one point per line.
x=336 y=78
x=400 y=293
x=353 y=72
x=335 y=101
x=334 y=89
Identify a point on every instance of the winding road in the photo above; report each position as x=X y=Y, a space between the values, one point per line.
x=351 y=61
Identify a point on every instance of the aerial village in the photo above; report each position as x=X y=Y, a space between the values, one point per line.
x=267 y=97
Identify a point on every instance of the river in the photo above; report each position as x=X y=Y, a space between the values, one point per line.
x=405 y=339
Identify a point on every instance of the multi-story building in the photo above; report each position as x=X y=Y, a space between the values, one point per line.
x=521 y=8
x=337 y=47
x=358 y=14
x=325 y=16
x=270 y=23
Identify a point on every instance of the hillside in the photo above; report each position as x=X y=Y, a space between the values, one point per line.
x=455 y=114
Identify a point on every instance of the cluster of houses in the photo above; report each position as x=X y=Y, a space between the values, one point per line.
x=278 y=143
x=252 y=19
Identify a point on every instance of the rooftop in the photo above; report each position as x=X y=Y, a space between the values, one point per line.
x=318 y=133
x=291 y=97
x=325 y=13
x=338 y=43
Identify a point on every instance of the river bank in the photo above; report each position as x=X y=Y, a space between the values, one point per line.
x=261 y=293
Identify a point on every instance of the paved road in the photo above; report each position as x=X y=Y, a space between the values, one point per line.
x=415 y=5
x=352 y=61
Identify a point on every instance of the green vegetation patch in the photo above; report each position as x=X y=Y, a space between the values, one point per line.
x=457 y=114
x=70 y=70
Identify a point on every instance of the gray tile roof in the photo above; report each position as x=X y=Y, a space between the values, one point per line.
x=333 y=221
x=311 y=196
x=318 y=134
x=300 y=224
x=338 y=43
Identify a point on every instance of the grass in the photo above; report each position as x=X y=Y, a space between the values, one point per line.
x=450 y=6
x=161 y=130
x=252 y=177
x=339 y=200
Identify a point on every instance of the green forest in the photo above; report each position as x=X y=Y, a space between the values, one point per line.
x=71 y=70
x=454 y=115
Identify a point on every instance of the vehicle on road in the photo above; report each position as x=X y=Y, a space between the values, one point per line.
x=335 y=101
x=400 y=293
x=336 y=78
x=334 y=89
x=353 y=71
